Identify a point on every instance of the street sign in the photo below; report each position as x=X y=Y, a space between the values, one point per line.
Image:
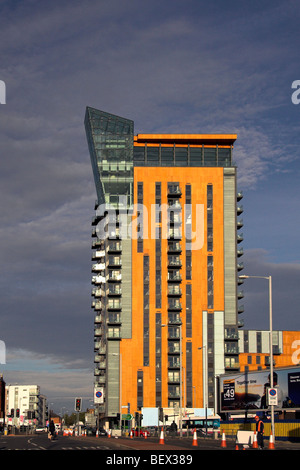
x=273 y=397
x=98 y=395
x=127 y=417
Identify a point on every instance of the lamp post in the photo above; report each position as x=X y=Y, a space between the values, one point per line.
x=205 y=388
x=269 y=278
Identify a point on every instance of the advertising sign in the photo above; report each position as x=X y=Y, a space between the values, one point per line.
x=251 y=390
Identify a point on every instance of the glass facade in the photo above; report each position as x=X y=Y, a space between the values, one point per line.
x=159 y=155
x=110 y=141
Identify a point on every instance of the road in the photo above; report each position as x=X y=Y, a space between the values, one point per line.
x=109 y=446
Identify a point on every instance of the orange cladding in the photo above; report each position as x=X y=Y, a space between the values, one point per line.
x=132 y=349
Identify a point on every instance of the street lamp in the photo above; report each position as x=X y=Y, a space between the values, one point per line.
x=269 y=278
x=205 y=388
x=180 y=376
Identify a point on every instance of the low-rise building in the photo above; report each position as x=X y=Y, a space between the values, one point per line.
x=23 y=405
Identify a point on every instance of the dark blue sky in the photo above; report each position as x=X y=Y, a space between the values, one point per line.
x=170 y=66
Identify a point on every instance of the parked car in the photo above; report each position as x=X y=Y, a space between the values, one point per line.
x=102 y=432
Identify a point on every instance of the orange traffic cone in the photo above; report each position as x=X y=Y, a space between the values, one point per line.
x=271 y=442
x=162 y=439
x=131 y=435
x=236 y=446
x=109 y=433
x=195 y=440
x=145 y=434
x=254 y=445
x=223 y=442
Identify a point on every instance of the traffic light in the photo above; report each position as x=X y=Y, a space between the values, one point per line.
x=12 y=412
x=78 y=404
x=18 y=413
x=161 y=415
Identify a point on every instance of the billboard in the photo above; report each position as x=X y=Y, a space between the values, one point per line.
x=249 y=390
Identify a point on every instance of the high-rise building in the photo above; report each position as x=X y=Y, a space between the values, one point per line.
x=166 y=257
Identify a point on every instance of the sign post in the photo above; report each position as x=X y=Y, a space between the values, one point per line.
x=273 y=397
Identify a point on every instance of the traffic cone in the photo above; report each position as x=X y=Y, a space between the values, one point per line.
x=254 y=445
x=131 y=436
x=109 y=433
x=195 y=440
x=271 y=442
x=236 y=446
x=97 y=433
x=145 y=434
x=162 y=439
x=223 y=442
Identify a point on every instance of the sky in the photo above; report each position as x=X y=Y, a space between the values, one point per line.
x=170 y=66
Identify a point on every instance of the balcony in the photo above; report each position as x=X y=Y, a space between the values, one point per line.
x=174 y=218
x=239 y=224
x=240 y=266
x=98 y=254
x=239 y=210
x=174 y=206
x=174 y=305
x=98 y=279
x=175 y=364
x=113 y=333
x=114 y=319
x=174 y=247
x=240 y=252
x=231 y=363
x=174 y=191
x=114 y=276
x=174 y=276
x=239 y=196
x=174 y=262
x=98 y=319
x=98 y=267
x=97 y=305
x=114 y=304
x=240 y=237
x=114 y=247
x=174 y=291
x=241 y=308
x=114 y=261
x=173 y=348
x=98 y=332
x=240 y=294
x=98 y=292
x=174 y=234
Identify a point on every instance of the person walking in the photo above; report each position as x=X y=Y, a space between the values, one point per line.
x=259 y=432
x=52 y=429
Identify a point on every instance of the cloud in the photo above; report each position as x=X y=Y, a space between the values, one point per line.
x=285 y=292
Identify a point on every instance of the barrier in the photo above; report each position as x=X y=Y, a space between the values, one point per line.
x=271 y=442
x=223 y=441
x=255 y=445
x=195 y=439
x=162 y=439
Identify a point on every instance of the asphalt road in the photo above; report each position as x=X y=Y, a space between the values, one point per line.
x=109 y=446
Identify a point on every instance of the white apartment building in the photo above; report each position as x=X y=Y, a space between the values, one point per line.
x=23 y=405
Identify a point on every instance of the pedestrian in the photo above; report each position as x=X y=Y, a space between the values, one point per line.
x=259 y=432
x=52 y=429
